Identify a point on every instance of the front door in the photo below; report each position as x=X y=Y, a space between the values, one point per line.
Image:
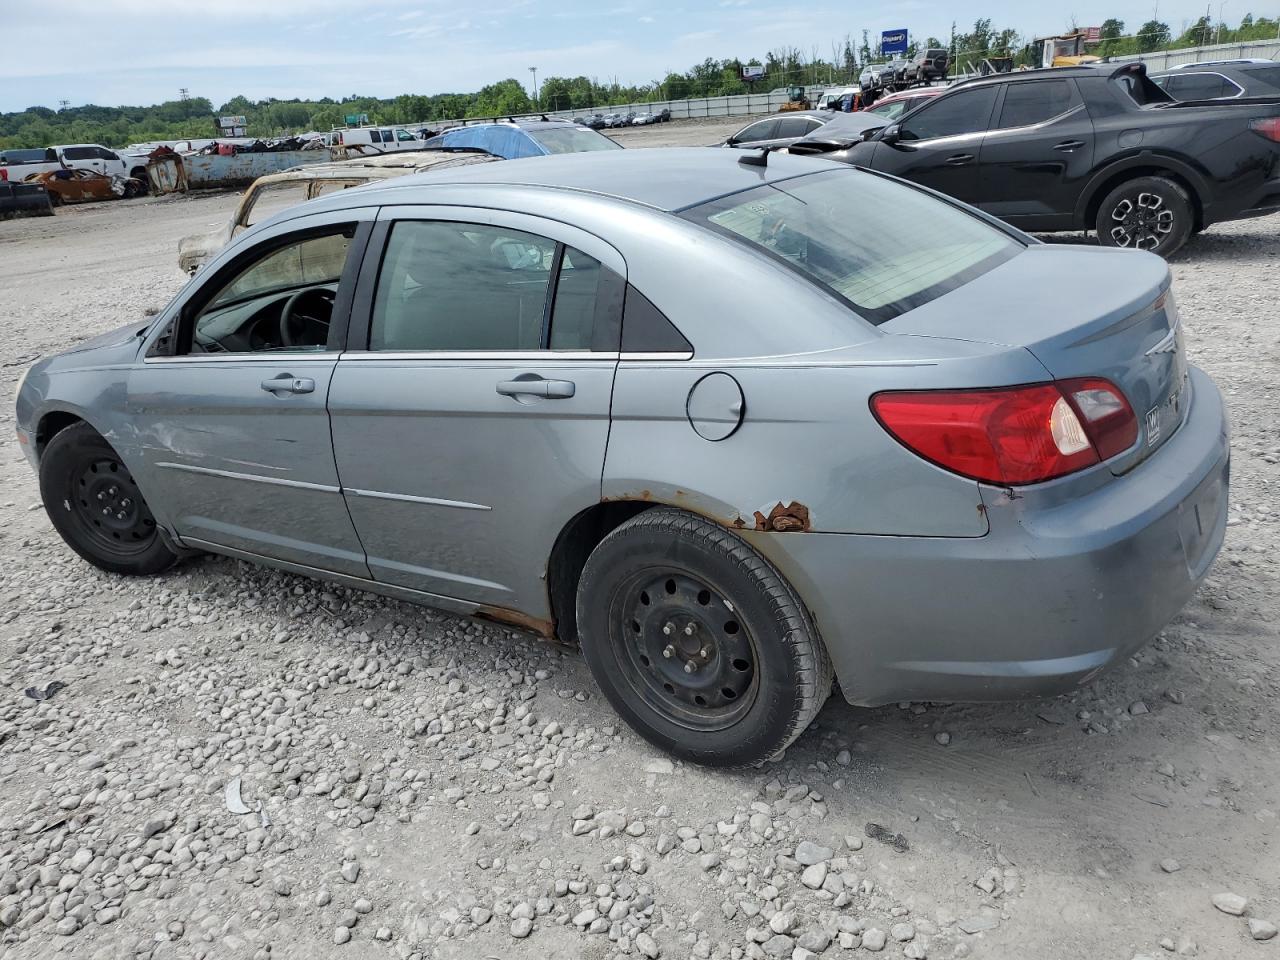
x=473 y=428
x=1037 y=155
x=938 y=145
x=229 y=418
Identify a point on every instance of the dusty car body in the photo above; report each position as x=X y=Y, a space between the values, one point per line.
x=556 y=393
x=84 y=186
x=267 y=195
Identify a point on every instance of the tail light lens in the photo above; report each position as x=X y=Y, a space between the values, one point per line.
x=1012 y=435
x=1269 y=128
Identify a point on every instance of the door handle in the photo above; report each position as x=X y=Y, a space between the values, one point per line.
x=959 y=159
x=1066 y=146
x=287 y=384
x=538 y=387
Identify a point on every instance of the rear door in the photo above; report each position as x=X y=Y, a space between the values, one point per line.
x=938 y=145
x=756 y=133
x=470 y=424
x=1037 y=156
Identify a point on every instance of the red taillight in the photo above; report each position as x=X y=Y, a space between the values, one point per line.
x=1269 y=128
x=1012 y=435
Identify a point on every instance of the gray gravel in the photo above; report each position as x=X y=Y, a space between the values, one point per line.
x=424 y=786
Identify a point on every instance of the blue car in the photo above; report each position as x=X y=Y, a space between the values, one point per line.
x=512 y=139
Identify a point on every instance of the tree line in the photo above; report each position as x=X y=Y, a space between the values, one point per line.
x=784 y=66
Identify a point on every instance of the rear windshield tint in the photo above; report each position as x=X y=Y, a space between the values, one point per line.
x=569 y=139
x=882 y=247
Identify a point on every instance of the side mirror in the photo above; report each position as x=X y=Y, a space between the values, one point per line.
x=892 y=133
x=731 y=142
x=870 y=133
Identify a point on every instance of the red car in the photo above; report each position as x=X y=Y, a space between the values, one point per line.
x=896 y=104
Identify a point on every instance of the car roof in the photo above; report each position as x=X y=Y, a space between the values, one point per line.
x=663 y=178
x=912 y=92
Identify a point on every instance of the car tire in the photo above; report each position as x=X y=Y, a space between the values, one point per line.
x=96 y=507
x=698 y=642
x=1146 y=213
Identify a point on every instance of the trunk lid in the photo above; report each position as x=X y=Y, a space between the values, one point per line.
x=1081 y=312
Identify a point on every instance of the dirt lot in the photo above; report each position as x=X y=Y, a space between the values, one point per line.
x=434 y=787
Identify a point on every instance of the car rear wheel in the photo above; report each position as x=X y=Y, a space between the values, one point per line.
x=1146 y=213
x=698 y=642
x=96 y=506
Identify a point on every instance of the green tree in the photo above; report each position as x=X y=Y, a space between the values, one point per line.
x=1152 y=35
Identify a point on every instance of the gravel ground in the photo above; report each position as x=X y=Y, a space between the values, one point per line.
x=420 y=785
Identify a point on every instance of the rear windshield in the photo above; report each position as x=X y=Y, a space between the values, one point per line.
x=882 y=247
x=568 y=139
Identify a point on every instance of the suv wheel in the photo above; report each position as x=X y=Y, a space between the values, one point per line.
x=1146 y=213
x=698 y=642
x=97 y=508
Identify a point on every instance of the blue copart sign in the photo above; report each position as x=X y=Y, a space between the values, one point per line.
x=893 y=41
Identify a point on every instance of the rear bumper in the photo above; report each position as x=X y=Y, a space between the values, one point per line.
x=1047 y=599
x=1261 y=202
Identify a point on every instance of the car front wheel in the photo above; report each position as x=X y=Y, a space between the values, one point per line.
x=96 y=506
x=1146 y=213
x=698 y=642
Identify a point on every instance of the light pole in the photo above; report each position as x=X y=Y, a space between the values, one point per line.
x=534 y=71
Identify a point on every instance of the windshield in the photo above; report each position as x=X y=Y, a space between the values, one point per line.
x=569 y=139
x=882 y=247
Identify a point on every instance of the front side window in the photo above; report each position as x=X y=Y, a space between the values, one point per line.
x=403 y=135
x=281 y=300
x=1030 y=103
x=968 y=111
x=860 y=239
x=891 y=111
x=78 y=153
x=757 y=131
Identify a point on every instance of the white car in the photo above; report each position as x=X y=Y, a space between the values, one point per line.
x=71 y=156
x=365 y=141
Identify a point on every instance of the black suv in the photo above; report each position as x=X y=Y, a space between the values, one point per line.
x=928 y=65
x=1083 y=148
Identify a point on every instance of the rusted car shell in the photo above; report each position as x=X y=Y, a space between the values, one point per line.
x=312 y=181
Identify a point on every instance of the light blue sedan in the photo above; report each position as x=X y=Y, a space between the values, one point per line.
x=736 y=423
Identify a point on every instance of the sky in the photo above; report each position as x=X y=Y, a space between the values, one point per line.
x=133 y=52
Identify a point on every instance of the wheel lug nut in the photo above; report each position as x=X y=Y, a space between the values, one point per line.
x=690 y=666
x=120 y=515
x=688 y=630
x=668 y=629
x=705 y=653
x=126 y=502
x=106 y=511
x=668 y=651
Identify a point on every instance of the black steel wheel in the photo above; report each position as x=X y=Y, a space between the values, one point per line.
x=1146 y=213
x=96 y=505
x=698 y=642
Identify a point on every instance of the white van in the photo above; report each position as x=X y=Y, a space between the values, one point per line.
x=370 y=140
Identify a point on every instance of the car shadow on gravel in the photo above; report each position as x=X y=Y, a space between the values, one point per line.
x=1224 y=242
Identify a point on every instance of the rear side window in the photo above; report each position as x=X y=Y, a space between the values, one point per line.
x=968 y=111
x=478 y=287
x=1029 y=103
x=860 y=238
x=79 y=153
x=569 y=139
x=1201 y=86
x=793 y=127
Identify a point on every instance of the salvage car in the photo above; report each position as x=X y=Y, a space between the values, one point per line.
x=84 y=186
x=783 y=129
x=556 y=394
x=270 y=194
x=513 y=139
x=24 y=199
x=1084 y=148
